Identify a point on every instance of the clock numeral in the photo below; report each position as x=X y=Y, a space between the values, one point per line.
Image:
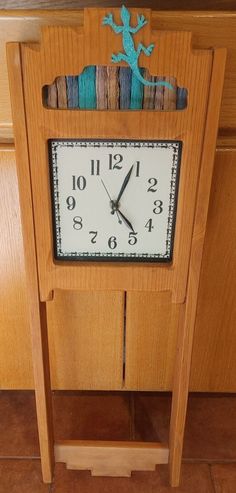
x=94 y=236
x=112 y=243
x=149 y=225
x=132 y=239
x=71 y=203
x=137 y=168
x=95 y=167
x=77 y=223
x=153 y=183
x=159 y=207
x=78 y=182
x=118 y=158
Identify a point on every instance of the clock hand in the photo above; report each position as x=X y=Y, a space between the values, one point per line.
x=106 y=190
x=124 y=185
x=126 y=221
x=114 y=204
x=114 y=210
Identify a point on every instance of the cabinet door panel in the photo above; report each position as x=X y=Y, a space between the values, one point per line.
x=15 y=347
x=214 y=362
x=86 y=340
x=151 y=335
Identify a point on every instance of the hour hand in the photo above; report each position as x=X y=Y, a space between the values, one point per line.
x=124 y=185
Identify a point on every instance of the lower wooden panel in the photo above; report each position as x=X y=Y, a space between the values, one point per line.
x=151 y=336
x=111 y=458
x=15 y=346
x=86 y=340
x=214 y=362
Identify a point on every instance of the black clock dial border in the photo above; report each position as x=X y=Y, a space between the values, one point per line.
x=113 y=256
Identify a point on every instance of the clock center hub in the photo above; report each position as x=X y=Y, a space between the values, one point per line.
x=114 y=206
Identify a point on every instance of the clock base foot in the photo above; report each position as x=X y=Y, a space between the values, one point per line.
x=117 y=459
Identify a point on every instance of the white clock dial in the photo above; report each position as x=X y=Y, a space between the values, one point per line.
x=114 y=200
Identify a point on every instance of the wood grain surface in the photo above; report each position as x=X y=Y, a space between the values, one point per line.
x=36 y=309
x=15 y=347
x=209 y=29
x=151 y=337
x=214 y=362
x=188 y=310
x=86 y=340
x=111 y=458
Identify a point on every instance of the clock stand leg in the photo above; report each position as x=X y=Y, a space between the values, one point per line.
x=188 y=310
x=66 y=451
x=181 y=386
x=43 y=389
x=36 y=308
x=178 y=406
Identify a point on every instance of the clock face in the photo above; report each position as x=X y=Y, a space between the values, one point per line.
x=114 y=200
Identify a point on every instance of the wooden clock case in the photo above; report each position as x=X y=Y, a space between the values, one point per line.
x=67 y=50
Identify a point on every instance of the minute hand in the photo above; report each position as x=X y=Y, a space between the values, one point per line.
x=126 y=221
x=124 y=185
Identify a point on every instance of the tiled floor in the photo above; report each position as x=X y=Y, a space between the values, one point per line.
x=209 y=449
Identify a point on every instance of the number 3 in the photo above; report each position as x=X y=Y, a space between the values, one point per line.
x=159 y=207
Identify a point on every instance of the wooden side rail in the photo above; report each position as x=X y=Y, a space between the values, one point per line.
x=111 y=458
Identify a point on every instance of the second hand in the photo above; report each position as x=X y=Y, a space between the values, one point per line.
x=119 y=220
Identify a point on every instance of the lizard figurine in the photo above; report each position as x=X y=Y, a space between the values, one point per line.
x=131 y=55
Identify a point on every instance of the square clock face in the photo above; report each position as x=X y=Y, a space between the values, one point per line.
x=114 y=200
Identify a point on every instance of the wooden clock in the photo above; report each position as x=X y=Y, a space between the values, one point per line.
x=114 y=188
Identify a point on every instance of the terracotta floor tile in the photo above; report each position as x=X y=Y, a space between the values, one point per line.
x=224 y=478
x=151 y=416
x=195 y=479
x=77 y=415
x=88 y=415
x=18 y=426
x=21 y=476
x=210 y=426
x=210 y=431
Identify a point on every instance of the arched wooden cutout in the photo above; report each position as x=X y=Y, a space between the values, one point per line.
x=113 y=88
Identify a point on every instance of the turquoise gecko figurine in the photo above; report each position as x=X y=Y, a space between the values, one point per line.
x=131 y=55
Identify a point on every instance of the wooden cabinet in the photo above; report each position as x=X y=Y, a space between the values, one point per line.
x=87 y=331
x=214 y=362
x=15 y=347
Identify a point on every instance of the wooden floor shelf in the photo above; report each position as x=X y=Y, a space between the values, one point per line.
x=116 y=458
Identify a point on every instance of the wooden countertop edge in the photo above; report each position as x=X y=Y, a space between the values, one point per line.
x=67 y=12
